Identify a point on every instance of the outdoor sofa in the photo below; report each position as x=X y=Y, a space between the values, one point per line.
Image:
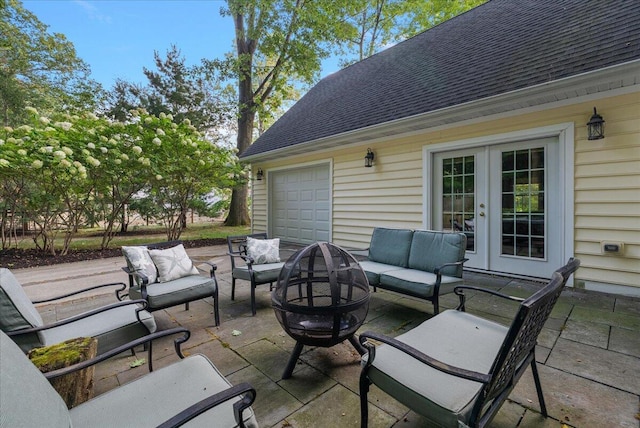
x=418 y=263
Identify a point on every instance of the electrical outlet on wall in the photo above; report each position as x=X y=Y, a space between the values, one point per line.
x=612 y=248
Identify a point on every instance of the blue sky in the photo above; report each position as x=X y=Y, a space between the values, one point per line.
x=117 y=38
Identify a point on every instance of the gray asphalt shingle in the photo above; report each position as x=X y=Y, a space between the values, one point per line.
x=499 y=47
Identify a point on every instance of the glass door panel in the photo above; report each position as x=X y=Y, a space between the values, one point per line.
x=458 y=197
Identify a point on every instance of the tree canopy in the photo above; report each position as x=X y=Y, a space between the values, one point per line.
x=39 y=69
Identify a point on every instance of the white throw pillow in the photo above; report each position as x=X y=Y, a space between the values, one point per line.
x=263 y=251
x=172 y=263
x=138 y=260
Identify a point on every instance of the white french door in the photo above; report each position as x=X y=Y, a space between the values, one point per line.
x=507 y=199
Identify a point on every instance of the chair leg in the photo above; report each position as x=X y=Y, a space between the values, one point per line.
x=233 y=288
x=186 y=306
x=536 y=379
x=253 y=299
x=150 y=354
x=216 y=310
x=436 y=305
x=364 y=404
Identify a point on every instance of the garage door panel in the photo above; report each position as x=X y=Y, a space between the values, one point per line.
x=300 y=204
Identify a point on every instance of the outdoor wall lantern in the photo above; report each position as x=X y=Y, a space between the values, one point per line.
x=259 y=174
x=595 y=126
x=368 y=159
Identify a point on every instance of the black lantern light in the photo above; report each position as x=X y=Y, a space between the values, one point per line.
x=368 y=159
x=595 y=126
x=259 y=174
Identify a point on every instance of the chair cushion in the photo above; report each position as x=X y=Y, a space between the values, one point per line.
x=27 y=399
x=263 y=251
x=158 y=396
x=262 y=273
x=430 y=249
x=456 y=338
x=112 y=328
x=172 y=263
x=18 y=312
x=16 y=309
x=416 y=282
x=177 y=291
x=390 y=246
x=374 y=269
x=139 y=260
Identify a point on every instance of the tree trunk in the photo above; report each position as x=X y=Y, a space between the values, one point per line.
x=74 y=388
x=238 y=209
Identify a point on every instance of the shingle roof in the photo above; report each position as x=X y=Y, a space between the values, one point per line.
x=501 y=46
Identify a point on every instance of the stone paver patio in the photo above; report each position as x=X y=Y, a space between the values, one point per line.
x=589 y=351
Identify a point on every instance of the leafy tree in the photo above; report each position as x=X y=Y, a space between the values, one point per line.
x=277 y=43
x=375 y=24
x=192 y=93
x=39 y=69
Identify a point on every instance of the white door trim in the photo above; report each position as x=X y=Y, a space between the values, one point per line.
x=566 y=149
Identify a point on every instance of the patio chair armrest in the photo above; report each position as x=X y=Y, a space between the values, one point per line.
x=142 y=303
x=438 y=270
x=459 y=291
x=120 y=349
x=212 y=267
x=122 y=287
x=245 y=390
x=144 y=279
x=420 y=356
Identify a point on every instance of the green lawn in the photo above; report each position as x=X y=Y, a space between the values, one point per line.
x=89 y=239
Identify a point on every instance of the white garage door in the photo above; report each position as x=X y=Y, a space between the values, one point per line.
x=300 y=204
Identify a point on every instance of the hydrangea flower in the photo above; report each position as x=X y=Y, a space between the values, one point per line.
x=137 y=149
x=124 y=156
x=91 y=146
x=22 y=152
x=4 y=162
x=67 y=151
x=37 y=164
x=45 y=120
x=158 y=177
x=59 y=154
x=64 y=125
x=65 y=163
x=160 y=132
x=31 y=110
x=104 y=149
x=93 y=161
x=157 y=141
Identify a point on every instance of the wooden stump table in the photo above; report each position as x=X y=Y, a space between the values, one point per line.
x=74 y=388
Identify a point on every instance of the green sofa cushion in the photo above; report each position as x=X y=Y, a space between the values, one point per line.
x=416 y=283
x=390 y=246
x=464 y=341
x=374 y=269
x=430 y=249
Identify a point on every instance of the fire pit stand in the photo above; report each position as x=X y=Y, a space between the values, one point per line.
x=321 y=299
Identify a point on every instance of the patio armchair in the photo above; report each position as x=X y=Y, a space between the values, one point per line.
x=191 y=389
x=112 y=324
x=258 y=267
x=163 y=275
x=456 y=369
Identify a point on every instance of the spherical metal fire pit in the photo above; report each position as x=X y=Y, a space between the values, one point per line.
x=321 y=299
